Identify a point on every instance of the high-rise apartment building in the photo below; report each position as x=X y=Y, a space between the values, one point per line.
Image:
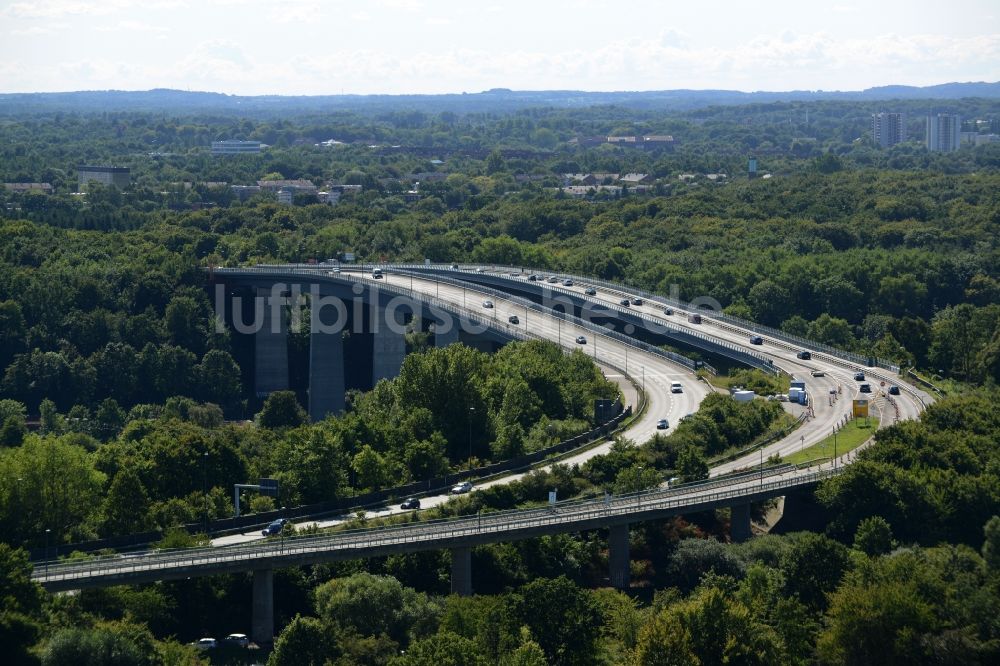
x=943 y=132
x=888 y=129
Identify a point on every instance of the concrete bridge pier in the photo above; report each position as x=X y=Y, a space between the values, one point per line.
x=326 y=374
x=271 y=345
x=262 y=622
x=461 y=571
x=618 y=556
x=446 y=332
x=739 y=523
x=388 y=344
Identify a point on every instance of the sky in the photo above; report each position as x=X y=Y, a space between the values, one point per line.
x=312 y=47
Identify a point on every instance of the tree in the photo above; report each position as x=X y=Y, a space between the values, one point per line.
x=114 y=643
x=126 y=506
x=13 y=431
x=813 y=567
x=563 y=617
x=442 y=649
x=282 y=410
x=218 y=378
x=873 y=536
x=691 y=465
x=991 y=545
x=20 y=607
x=665 y=641
x=369 y=466
x=304 y=641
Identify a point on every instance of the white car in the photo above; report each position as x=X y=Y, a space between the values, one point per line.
x=676 y=387
x=461 y=488
x=487 y=304
x=238 y=640
x=206 y=644
x=662 y=424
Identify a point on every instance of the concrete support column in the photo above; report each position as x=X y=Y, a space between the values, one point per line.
x=618 y=556
x=446 y=333
x=461 y=571
x=271 y=346
x=262 y=623
x=739 y=523
x=388 y=344
x=326 y=374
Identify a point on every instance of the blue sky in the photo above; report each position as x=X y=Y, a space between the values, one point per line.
x=433 y=46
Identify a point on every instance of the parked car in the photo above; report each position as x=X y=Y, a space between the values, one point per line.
x=668 y=311
x=410 y=503
x=676 y=387
x=662 y=424
x=756 y=340
x=893 y=390
x=487 y=304
x=804 y=355
x=581 y=340
x=865 y=388
x=625 y=302
x=275 y=527
x=859 y=376
x=206 y=644
x=513 y=319
x=590 y=291
x=237 y=640
x=463 y=487
x=636 y=300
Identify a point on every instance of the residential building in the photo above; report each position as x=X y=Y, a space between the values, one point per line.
x=44 y=188
x=105 y=175
x=299 y=186
x=235 y=147
x=244 y=192
x=286 y=195
x=636 y=179
x=888 y=129
x=943 y=132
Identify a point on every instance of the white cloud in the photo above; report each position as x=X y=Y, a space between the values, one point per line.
x=47 y=9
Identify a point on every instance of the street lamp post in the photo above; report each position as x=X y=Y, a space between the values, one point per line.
x=47 y=533
x=204 y=487
x=835 y=448
x=282 y=531
x=472 y=410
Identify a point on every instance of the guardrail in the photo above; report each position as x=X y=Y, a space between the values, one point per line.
x=563 y=516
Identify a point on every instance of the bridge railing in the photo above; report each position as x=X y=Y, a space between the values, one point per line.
x=626 y=289
x=560 y=517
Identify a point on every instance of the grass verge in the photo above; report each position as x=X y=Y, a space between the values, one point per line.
x=853 y=435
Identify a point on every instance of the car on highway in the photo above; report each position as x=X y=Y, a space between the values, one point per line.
x=893 y=390
x=590 y=291
x=662 y=424
x=206 y=644
x=624 y=302
x=479 y=270
x=676 y=387
x=756 y=340
x=275 y=527
x=553 y=280
x=859 y=376
x=668 y=311
x=804 y=355
x=454 y=266
x=567 y=283
x=333 y=272
x=410 y=503
x=513 y=319
x=376 y=273
x=532 y=278
x=636 y=300
x=581 y=340
x=487 y=304
x=694 y=318
x=237 y=640
x=461 y=488
x=865 y=388
x=818 y=373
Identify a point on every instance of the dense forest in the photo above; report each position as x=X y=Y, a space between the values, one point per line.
x=123 y=409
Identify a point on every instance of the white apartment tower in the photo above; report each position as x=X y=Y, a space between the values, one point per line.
x=888 y=129
x=943 y=132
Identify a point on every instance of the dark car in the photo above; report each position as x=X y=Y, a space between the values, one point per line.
x=636 y=301
x=668 y=311
x=580 y=340
x=275 y=527
x=756 y=340
x=624 y=302
x=662 y=424
x=454 y=266
x=804 y=355
x=893 y=390
x=590 y=291
x=859 y=376
x=865 y=388
x=410 y=503
x=532 y=278
x=513 y=319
